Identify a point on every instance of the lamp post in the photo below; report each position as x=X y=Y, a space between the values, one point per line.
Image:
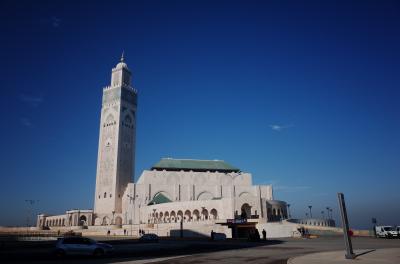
x=328 y=209
x=131 y=200
x=155 y=219
x=139 y=216
x=309 y=207
x=234 y=192
x=30 y=203
x=288 y=207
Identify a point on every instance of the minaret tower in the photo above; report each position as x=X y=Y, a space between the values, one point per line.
x=116 y=154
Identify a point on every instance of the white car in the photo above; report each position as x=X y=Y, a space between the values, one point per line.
x=81 y=246
x=386 y=231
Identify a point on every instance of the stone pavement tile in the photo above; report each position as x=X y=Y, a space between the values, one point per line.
x=365 y=256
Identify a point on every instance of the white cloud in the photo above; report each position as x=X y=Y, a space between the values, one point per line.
x=55 y=22
x=26 y=122
x=30 y=100
x=278 y=128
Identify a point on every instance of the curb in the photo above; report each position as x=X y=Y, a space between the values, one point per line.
x=289 y=261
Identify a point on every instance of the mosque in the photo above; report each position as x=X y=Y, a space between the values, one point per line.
x=174 y=196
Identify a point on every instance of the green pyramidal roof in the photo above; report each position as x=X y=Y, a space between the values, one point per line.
x=194 y=165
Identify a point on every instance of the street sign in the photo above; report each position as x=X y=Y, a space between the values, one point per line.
x=236 y=221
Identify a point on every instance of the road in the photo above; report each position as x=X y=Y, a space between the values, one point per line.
x=196 y=251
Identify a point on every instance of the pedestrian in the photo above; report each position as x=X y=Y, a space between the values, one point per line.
x=264 y=233
x=257 y=235
x=212 y=235
x=108 y=232
x=124 y=232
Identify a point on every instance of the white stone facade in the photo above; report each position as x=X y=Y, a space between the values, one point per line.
x=194 y=195
x=116 y=151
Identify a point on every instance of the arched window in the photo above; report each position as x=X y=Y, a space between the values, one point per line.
x=105 y=195
x=82 y=220
x=245 y=211
x=188 y=215
x=180 y=215
x=196 y=215
x=214 y=214
x=204 y=214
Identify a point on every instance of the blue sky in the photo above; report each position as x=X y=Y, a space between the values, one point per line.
x=304 y=95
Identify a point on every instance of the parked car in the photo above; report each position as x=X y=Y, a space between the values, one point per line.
x=81 y=246
x=386 y=231
x=398 y=231
x=219 y=236
x=149 y=238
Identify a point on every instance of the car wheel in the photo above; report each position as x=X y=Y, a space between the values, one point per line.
x=60 y=253
x=98 y=252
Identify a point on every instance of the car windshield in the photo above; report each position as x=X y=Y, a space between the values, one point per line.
x=79 y=240
x=388 y=228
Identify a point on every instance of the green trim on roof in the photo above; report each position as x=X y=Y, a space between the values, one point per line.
x=159 y=199
x=195 y=165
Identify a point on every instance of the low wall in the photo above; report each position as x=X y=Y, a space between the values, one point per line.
x=279 y=229
x=194 y=229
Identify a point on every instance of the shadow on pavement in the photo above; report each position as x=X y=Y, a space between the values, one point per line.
x=125 y=250
x=365 y=252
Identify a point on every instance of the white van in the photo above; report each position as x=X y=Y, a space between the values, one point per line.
x=386 y=231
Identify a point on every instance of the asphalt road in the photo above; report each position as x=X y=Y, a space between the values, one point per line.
x=279 y=253
x=195 y=252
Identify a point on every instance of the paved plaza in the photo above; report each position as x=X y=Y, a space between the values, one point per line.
x=205 y=251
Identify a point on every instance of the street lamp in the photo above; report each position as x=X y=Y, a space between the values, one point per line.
x=131 y=200
x=155 y=219
x=234 y=192
x=328 y=209
x=30 y=203
x=310 y=206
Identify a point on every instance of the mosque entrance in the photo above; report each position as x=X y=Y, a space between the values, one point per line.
x=244 y=231
x=241 y=228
